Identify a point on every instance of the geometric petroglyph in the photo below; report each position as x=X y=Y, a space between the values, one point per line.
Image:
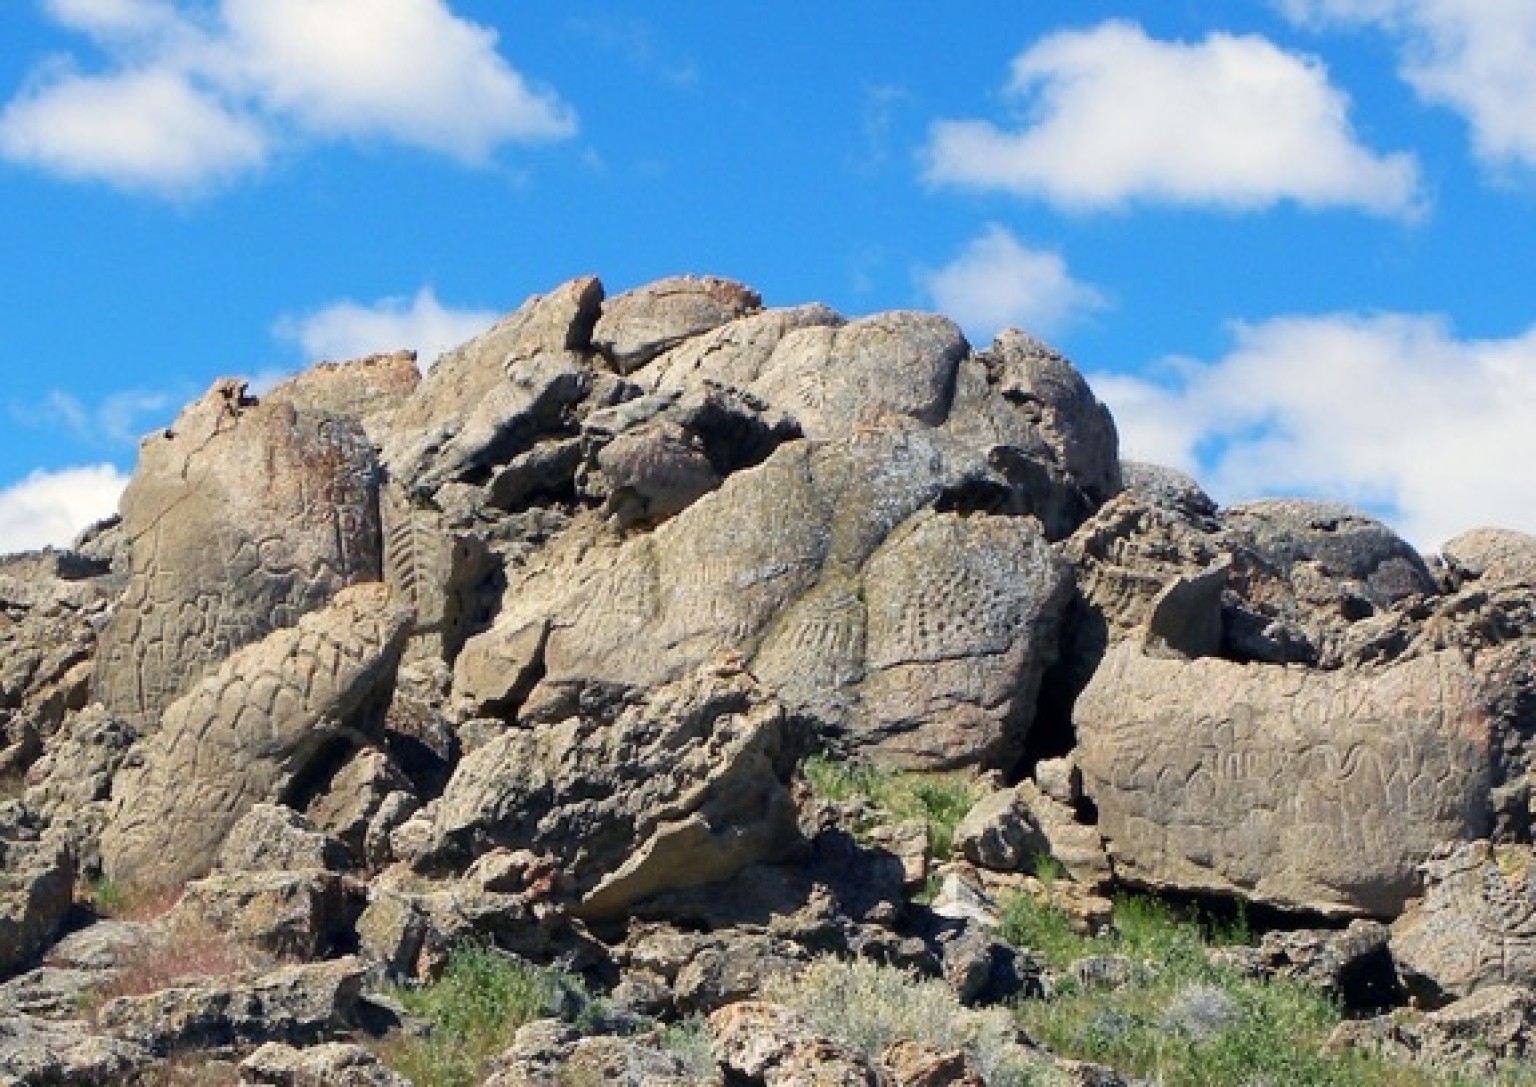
x=240 y=519
x=244 y=733
x=1307 y=790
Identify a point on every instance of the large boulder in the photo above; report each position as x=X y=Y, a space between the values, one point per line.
x=249 y=733
x=919 y=633
x=675 y=789
x=494 y=396
x=1306 y=790
x=241 y=518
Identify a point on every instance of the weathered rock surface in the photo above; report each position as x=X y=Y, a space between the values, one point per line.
x=247 y=734
x=640 y=324
x=40 y=1053
x=241 y=518
x=1306 y=790
x=822 y=567
x=50 y=605
x=37 y=877
x=772 y=1045
x=681 y=788
x=334 y=1063
x=549 y=1052
x=1475 y=926
x=300 y=1005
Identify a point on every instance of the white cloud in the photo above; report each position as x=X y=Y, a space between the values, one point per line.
x=191 y=99
x=51 y=508
x=121 y=418
x=997 y=282
x=1113 y=115
x=408 y=70
x=1477 y=57
x=149 y=130
x=1388 y=411
x=347 y=330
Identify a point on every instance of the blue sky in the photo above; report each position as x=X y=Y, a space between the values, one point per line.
x=1290 y=241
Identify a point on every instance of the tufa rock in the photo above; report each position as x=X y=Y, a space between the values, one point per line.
x=241 y=518
x=249 y=733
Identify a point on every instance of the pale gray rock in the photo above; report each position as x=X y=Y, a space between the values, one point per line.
x=732 y=356
x=1168 y=487
x=294 y=916
x=493 y=397
x=241 y=518
x=274 y=838
x=835 y=379
x=917 y=634
x=548 y=1051
x=638 y=325
x=1299 y=789
x=1492 y=558
x=1015 y=830
x=37 y=879
x=774 y=1046
x=1485 y=1037
x=300 y=1005
x=677 y=789
x=246 y=734
x=1475 y=926
x=42 y=1053
x=336 y=1064
x=368 y=389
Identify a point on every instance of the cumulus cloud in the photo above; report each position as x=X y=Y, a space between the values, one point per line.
x=1477 y=57
x=996 y=281
x=346 y=330
x=1111 y=115
x=1392 y=412
x=51 y=508
x=191 y=99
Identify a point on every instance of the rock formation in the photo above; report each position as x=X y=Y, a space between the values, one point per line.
x=530 y=651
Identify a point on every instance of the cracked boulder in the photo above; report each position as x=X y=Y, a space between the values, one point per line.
x=672 y=790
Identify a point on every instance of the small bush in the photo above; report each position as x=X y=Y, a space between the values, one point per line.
x=127 y=902
x=939 y=800
x=868 y=1007
x=690 y=1042
x=472 y=1012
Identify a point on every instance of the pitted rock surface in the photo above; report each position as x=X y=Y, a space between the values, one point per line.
x=1301 y=789
x=246 y=733
x=241 y=518
x=37 y=878
x=920 y=634
x=1476 y=925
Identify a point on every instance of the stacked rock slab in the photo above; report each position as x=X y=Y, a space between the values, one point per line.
x=241 y=518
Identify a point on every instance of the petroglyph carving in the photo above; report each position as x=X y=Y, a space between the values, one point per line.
x=1309 y=790
x=240 y=519
x=245 y=733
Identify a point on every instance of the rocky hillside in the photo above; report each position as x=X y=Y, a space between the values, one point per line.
x=554 y=652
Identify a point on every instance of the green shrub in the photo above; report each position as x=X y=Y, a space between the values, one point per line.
x=1185 y=1020
x=689 y=1040
x=472 y=1012
x=939 y=800
x=868 y=1007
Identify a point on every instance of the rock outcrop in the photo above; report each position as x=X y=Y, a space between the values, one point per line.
x=527 y=655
